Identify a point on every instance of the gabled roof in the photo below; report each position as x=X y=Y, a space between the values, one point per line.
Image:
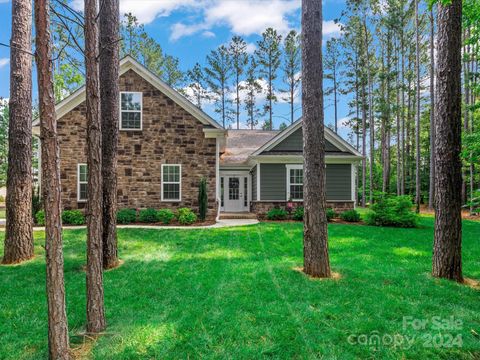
x=240 y=144
x=129 y=63
x=330 y=136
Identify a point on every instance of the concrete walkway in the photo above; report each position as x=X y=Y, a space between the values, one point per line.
x=218 y=224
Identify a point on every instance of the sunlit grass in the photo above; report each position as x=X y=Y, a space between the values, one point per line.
x=233 y=293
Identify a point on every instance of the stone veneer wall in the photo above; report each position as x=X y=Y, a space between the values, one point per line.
x=261 y=207
x=170 y=135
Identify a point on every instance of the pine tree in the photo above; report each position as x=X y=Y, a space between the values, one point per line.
x=268 y=57
x=219 y=72
x=196 y=85
x=238 y=55
x=332 y=63
x=19 y=230
x=252 y=90
x=95 y=297
x=315 y=236
x=58 y=342
x=291 y=69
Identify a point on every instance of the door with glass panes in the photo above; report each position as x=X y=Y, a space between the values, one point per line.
x=235 y=193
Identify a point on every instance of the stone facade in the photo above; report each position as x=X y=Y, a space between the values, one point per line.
x=261 y=207
x=170 y=135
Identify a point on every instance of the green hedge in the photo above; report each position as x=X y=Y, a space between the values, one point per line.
x=148 y=216
x=165 y=216
x=277 y=214
x=350 y=216
x=126 y=216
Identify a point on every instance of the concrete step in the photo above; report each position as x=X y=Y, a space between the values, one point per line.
x=236 y=216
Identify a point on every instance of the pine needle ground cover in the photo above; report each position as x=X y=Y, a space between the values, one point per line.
x=233 y=293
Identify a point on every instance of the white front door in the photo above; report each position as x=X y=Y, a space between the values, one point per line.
x=235 y=193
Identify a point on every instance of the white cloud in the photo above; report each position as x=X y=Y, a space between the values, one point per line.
x=251 y=47
x=148 y=10
x=245 y=17
x=4 y=62
x=208 y=34
x=330 y=28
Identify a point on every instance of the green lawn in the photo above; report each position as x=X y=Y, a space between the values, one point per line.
x=232 y=294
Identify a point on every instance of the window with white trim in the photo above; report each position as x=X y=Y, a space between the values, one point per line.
x=294 y=182
x=131 y=111
x=171 y=182
x=82 y=181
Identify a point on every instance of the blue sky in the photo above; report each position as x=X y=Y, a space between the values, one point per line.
x=190 y=29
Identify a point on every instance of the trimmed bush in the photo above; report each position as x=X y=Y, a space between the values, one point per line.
x=298 y=213
x=40 y=218
x=126 y=216
x=350 y=216
x=276 y=214
x=202 y=199
x=186 y=216
x=330 y=214
x=165 y=216
x=148 y=216
x=393 y=211
x=73 y=217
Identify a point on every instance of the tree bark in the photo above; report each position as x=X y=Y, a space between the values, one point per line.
x=109 y=91
x=417 y=112
x=447 y=248
x=371 y=122
x=58 y=342
x=19 y=227
x=95 y=298
x=431 y=194
x=364 y=145
x=315 y=243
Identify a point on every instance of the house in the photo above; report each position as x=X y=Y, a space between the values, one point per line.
x=166 y=145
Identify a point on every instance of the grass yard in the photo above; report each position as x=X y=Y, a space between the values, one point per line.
x=232 y=293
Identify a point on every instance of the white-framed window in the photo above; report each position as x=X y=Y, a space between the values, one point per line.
x=171 y=182
x=294 y=182
x=131 y=110
x=82 y=181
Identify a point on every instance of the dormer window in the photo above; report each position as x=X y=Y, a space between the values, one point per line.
x=131 y=111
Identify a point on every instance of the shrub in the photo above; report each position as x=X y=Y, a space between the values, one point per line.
x=73 y=217
x=202 y=199
x=40 y=218
x=2 y=199
x=330 y=214
x=126 y=216
x=298 y=213
x=148 y=216
x=276 y=214
x=393 y=211
x=186 y=216
x=165 y=216
x=350 y=216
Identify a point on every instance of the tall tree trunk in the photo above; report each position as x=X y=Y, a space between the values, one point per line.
x=19 y=231
x=371 y=122
x=402 y=133
x=58 y=343
x=417 y=112
x=398 y=128
x=364 y=144
x=465 y=112
x=431 y=193
x=95 y=298
x=335 y=97
x=447 y=248
x=315 y=243
x=109 y=91
x=237 y=100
